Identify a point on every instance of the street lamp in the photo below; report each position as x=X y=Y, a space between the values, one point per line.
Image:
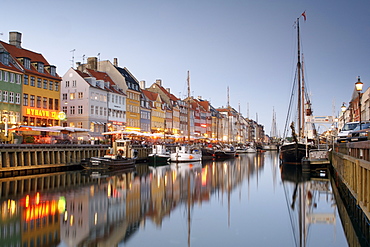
x=343 y=108
x=359 y=85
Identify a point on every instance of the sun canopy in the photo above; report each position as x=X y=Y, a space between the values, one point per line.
x=70 y=129
x=34 y=128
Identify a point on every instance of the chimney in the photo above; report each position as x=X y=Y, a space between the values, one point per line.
x=142 y=84
x=115 y=62
x=15 y=38
x=168 y=90
x=92 y=63
x=159 y=82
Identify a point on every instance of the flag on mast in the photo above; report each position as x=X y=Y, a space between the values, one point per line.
x=304 y=15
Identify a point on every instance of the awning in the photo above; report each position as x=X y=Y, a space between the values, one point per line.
x=34 y=128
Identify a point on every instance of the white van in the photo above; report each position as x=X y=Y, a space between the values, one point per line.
x=347 y=129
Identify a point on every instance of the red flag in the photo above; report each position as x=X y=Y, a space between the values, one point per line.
x=304 y=15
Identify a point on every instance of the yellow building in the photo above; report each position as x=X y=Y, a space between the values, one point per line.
x=158 y=111
x=125 y=80
x=41 y=83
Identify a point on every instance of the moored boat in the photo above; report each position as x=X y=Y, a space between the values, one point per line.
x=186 y=153
x=120 y=155
x=159 y=155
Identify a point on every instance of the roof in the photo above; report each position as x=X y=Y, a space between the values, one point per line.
x=128 y=77
x=16 y=53
x=100 y=76
x=169 y=95
x=150 y=95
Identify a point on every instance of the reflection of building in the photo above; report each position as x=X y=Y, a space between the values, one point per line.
x=40 y=221
x=10 y=223
x=86 y=211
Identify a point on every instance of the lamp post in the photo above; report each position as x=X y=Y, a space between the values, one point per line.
x=343 y=108
x=358 y=86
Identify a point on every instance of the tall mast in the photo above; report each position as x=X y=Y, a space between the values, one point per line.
x=299 y=83
x=188 y=106
x=303 y=98
x=228 y=118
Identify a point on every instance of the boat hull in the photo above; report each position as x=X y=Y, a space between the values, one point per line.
x=184 y=157
x=158 y=159
x=108 y=163
x=292 y=153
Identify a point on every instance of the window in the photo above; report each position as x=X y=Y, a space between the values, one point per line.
x=64 y=96
x=56 y=104
x=72 y=110
x=1 y=75
x=45 y=103
x=80 y=95
x=18 y=79
x=67 y=83
x=38 y=103
x=79 y=125
x=101 y=111
x=32 y=81
x=53 y=70
x=74 y=83
x=51 y=85
x=25 y=99
x=64 y=109
x=18 y=98
x=39 y=82
x=6 y=76
x=92 y=110
x=11 y=97
x=27 y=63
x=5 y=58
x=40 y=67
x=12 y=77
x=51 y=104
x=45 y=84
x=72 y=95
x=25 y=79
x=96 y=110
x=56 y=86
x=1 y=95
x=80 y=109
x=5 y=96
x=32 y=100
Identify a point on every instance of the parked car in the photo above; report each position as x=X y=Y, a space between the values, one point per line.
x=346 y=130
x=360 y=134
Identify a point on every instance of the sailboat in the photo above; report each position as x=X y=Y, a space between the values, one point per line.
x=187 y=153
x=293 y=152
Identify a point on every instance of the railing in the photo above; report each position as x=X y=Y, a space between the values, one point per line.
x=351 y=162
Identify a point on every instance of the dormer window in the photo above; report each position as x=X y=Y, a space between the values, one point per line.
x=4 y=57
x=27 y=63
x=40 y=67
x=51 y=69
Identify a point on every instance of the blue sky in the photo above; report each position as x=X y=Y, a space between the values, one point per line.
x=248 y=46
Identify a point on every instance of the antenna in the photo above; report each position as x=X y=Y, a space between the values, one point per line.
x=247 y=110
x=73 y=57
x=98 y=60
x=228 y=98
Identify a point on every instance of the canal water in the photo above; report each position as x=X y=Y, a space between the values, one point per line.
x=248 y=201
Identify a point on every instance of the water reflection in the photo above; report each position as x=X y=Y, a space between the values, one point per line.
x=88 y=208
x=309 y=199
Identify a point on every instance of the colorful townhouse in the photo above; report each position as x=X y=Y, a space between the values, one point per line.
x=11 y=75
x=172 y=107
x=125 y=80
x=158 y=114
x=41 y=84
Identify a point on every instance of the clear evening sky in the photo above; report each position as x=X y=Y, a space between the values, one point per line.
x=248 y=45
